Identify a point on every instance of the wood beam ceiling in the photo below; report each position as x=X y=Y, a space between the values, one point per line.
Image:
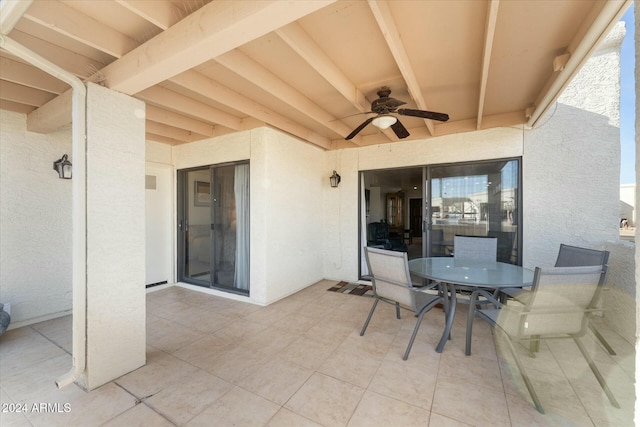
x=389 y=30
x=255 y=73
x=66 y=20
x=199 y=83
x=490 y=30
x=161 y=14
x=212 y=30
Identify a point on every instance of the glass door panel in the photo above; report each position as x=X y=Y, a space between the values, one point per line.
x=197 y=239
x=476 y=199
x=214 y=227
x=224 y=226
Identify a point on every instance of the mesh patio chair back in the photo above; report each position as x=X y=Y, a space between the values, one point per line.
x=475 y=248
x=574 y=256
x=391 y=277
x=559 y=306
x=560 y=303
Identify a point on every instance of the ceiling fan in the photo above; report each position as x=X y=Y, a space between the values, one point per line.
x=384 y=106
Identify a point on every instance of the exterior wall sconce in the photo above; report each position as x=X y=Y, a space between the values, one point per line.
x=334 y=179
x=63 y=167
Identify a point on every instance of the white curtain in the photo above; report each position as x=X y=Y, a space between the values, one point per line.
x=363 y=230
x=241 y=190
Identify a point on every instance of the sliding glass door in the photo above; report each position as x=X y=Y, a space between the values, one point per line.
x=213 y=226
x=419 y=210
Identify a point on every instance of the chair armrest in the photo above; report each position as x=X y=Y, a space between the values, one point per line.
x=519 y=294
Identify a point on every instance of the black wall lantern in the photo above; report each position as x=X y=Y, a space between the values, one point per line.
x=334 y=179
x=63 y=167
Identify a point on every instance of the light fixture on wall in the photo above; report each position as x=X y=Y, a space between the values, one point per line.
x=383 y=121
x=63 y=167
x=334 y=179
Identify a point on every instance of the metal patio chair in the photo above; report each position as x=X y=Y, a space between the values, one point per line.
x=573 y=256
x=559 y=305
x=391 y=282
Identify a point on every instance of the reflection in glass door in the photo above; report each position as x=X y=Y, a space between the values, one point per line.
x=475 y=199
x=214 y=226
x=418 y=210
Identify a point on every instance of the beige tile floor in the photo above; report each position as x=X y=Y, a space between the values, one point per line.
x=301 y=362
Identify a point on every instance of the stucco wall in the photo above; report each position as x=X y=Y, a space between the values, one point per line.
x=35 y=222
x=156 y=152
x=571 y=165
x=291 y=188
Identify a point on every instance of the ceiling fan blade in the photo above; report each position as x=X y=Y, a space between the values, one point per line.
x=359 y=128
x=399 y=129
x=423 y=114
x=352 y=115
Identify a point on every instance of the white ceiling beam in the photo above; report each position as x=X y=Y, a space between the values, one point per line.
x=201 y=84
x=249 y=69
x=51 y=115
x=214 y=29
x=162 y=14
x=180 y=121
x=11 y=11
x=25 y=95
x=489 y=33
x=168 y=131
x=515 y=118
x=16 y=107
x=308 y=49
x=72 y=62
x=68 y=21
x=173 y=101
x=389 y=30
x=162 y=139
x=26 y=75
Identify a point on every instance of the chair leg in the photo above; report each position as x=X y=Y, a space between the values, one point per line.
x=604 y=342
x=525 y=377
x=534 y=346
x=413 y=335
x=397 y=310
x=364 y=328
x=415 y=328
x=596 y=372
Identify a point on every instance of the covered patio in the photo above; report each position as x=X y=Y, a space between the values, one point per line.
x=302 y=362
x=163 y=106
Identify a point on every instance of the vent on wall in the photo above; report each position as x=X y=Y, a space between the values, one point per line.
x=150 y=182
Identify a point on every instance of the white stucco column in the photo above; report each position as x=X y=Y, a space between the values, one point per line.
x=115 y=300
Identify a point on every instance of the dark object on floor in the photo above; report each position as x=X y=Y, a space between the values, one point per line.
x=5 y=319
x=352 y=289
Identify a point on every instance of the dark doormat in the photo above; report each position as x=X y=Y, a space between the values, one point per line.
x=352 y=289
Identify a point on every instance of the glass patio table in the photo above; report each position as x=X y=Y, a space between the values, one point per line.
x=452 y=273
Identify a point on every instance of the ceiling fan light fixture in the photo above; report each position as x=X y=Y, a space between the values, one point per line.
x=384 y=121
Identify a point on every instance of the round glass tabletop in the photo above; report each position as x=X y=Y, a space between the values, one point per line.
x=471 y=273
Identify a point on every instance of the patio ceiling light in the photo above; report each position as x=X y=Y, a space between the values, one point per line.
x=384 y=121
x=63 y=167
x=334 y=179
